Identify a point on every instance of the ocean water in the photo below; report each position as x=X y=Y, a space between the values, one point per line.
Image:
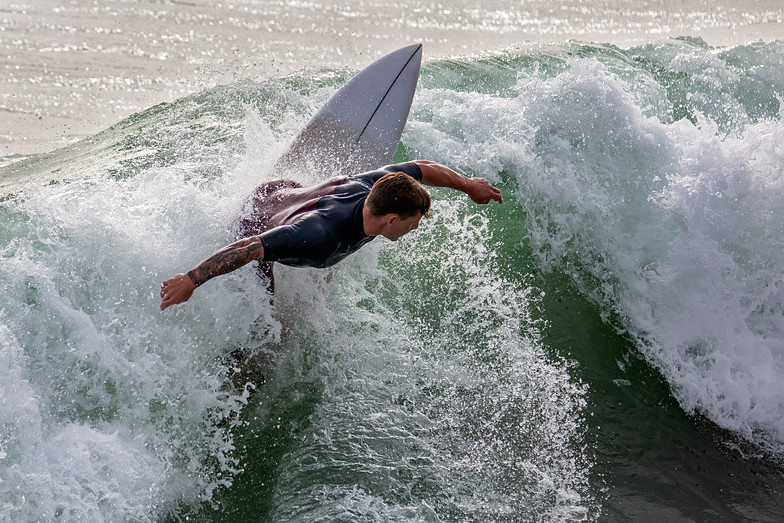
x=607 y=344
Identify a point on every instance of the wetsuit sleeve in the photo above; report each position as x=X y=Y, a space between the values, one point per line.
x=302 y=243
x=409 y=168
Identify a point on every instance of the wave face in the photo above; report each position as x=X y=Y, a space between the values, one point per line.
x=653 y=178
x=487 y=367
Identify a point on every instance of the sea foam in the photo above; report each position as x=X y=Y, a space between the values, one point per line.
x=659 y=191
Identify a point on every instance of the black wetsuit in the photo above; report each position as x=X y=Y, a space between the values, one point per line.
x=315 y=226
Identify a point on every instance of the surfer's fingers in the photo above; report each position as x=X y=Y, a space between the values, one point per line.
x=170 y=300
x=495 y=193
x=173 y=292
x=486 y=192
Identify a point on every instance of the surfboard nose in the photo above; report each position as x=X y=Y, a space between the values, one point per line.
x=359 y=127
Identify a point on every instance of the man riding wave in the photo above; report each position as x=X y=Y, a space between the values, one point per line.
x=320 y=225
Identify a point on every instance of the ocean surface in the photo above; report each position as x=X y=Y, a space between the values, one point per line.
x=606 y=345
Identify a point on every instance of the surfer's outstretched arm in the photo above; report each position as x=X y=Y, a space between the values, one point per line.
x=180 y=287
x=478 y=189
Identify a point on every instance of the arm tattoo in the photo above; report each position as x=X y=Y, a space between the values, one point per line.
x=227 y=259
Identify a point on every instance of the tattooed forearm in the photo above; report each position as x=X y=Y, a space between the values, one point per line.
x=228 y=259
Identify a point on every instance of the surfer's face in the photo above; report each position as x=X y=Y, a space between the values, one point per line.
x=397 y=227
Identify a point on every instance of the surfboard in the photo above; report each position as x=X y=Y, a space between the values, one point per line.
x=359 y=127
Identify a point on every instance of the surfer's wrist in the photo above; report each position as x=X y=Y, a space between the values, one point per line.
x=194 y=279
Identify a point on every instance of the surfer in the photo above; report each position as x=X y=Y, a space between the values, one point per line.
x=320 y=225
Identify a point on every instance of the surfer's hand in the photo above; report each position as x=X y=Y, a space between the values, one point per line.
x=176 y=290
x=480 y=191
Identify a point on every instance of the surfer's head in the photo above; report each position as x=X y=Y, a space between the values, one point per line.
x=398 y=193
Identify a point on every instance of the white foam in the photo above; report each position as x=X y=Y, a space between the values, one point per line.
x=679 y=226
x=66 y=471
x=432 y=384
x=107 y=402
x=674 y=227
x=717 y=302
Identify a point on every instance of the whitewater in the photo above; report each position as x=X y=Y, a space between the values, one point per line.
x=606 y=345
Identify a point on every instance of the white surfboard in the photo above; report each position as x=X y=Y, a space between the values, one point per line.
x=359 y=127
